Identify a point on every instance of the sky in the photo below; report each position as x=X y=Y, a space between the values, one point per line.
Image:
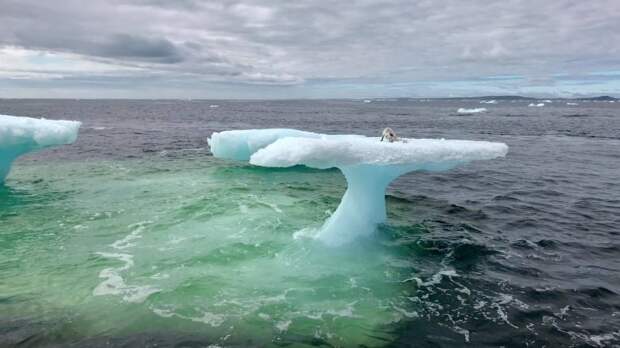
x=308 y=48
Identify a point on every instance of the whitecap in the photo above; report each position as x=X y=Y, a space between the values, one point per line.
x=283 y=325
x=465 y=111
x=208 y=318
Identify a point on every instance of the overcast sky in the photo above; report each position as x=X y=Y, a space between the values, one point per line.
x=308 y=49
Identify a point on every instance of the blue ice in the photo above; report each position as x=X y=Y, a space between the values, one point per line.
x=20 y=135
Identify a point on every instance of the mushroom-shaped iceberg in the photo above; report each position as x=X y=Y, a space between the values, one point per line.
x=19 y=135
x=368 y=165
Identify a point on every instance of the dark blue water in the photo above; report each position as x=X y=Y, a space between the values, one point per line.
x=534 y=237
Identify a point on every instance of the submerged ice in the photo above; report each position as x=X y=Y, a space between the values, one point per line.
x=368 y=165
x=20 y=135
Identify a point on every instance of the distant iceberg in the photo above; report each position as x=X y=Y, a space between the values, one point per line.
x=464 y=111
x=368 y=165
x=20 y=135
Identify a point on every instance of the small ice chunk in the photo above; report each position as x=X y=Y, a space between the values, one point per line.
x=20 y=135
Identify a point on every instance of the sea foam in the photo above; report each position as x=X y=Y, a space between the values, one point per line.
x=464 y=111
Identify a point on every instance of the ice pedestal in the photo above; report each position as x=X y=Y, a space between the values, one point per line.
x=20 y=135
x=362 y=207
x=368 y=165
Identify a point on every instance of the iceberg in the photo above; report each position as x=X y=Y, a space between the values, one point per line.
x=20 y=135
x=464 y=111
x=368 y=164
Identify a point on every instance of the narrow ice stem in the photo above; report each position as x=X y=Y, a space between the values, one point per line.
x=362 y=207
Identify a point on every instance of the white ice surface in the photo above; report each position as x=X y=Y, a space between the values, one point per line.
x=241 y=144
x=349 y=150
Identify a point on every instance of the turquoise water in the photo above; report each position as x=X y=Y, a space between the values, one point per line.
x=7 y=156
x=199 y=246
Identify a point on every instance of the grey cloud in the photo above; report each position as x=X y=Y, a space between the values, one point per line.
x=134 y=47
x=293 y=42
x=541 y=81
x=189 y=5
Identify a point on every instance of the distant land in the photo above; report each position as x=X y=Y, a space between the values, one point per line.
x=501 y=97
x=601 y=98
x=519 y=97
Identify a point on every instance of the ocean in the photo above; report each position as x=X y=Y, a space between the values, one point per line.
x=137 y=236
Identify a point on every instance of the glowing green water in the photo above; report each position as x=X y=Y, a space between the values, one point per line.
x=196 y=246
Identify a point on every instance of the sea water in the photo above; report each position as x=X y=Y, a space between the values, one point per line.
x=136 y=235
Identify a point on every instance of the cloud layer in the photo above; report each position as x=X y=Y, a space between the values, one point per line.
x=317 y=48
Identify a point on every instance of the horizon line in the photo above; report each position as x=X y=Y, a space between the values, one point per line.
x=499 y=96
